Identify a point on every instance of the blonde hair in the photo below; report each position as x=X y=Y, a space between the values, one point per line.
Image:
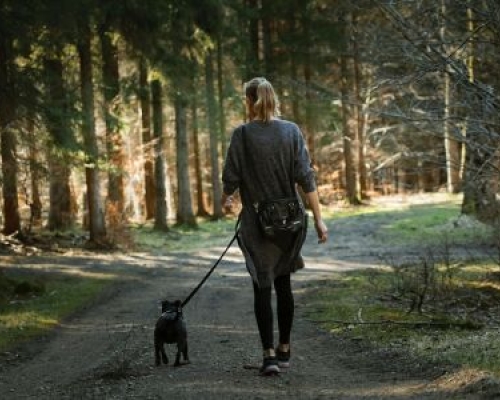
x=264 y=101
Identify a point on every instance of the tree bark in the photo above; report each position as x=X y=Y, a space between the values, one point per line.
x=214 y=137
x=97 y=226
x=294 y=65
x=470 y=202
x=200 y=198
x=309 y=118
x=350 y=172
x=36 y=202
x=12 y=221
x=145 y=101
x=159 y=171
x=114 y=140
x=253 y=53
x=451 y=144
x=220 y=89
x=267 y=45
x=185 y=213
x=60 y=214
x=358 y=113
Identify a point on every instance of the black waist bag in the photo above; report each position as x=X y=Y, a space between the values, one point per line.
x=280 y=216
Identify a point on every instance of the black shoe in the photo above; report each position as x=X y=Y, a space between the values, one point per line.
x=283 y=358
x=269 y=367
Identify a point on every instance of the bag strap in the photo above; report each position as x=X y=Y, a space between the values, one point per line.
x=253 y=176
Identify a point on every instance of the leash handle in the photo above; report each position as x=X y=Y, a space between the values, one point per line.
x=210 y=271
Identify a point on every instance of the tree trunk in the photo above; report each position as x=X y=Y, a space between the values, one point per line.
x=159 y=171
x=214 y=137
x=469 y=156
x=12 y=221
x=350 y=173
x=294 y=66
x=253 y=54
x=451 y=145
x=35 y=178
x=364 y=123
x=114 y=140
x=185 y=213
x=358 y=113
x=200 y=195
x=145 y=100
x=295 y=95
x=267 y=45
x=220 y=89
x=309 y=118
x=97 y=226
x=60 y=215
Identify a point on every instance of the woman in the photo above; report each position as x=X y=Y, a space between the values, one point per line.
x=266 y=158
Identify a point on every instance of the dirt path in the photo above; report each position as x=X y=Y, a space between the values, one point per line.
x=107 y=351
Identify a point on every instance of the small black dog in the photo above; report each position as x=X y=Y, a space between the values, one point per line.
x=171 y=328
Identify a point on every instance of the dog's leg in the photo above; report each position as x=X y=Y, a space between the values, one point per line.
x=159 y=350
x=178 y=358
x=185 y=353
x=157 y=355
x=180 y=349
x=164 y=357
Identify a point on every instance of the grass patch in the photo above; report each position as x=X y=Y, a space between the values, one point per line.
x=459 y=326
x=460 y=315
x=183 y=238
x=431 y=224
x=423 y=224
x=31 y=313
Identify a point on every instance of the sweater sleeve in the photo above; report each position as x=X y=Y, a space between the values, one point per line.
x=304 y=173
x=231 y=173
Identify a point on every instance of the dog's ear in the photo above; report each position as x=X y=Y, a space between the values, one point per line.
x=163 y=304
x=178 y=303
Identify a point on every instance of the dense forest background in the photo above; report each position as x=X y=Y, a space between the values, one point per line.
x=117 y=111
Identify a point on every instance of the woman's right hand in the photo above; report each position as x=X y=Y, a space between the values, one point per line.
x=227 y=202
x=319 y=225
x=321 y=230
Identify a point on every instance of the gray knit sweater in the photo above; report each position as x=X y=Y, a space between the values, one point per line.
x=277 y=156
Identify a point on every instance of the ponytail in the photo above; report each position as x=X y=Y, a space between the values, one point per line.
x=263 y=98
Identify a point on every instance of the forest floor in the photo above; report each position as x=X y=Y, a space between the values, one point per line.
x=106 y=351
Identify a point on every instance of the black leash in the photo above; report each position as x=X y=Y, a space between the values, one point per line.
x=211 y=269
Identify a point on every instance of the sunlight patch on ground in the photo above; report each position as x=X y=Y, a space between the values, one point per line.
x=221 y=328
x=405 y=200
x=77 y=328
x=23 y=320
x=241 y=273
x=71 y=271
x=203 y=257
x=335 y=265
x=401 y=389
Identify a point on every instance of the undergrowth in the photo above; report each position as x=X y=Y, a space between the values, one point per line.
x=442 y=304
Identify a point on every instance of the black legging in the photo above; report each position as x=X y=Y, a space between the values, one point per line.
x=264 y=312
